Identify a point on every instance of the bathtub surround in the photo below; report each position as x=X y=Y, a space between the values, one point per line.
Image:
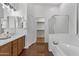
x=67 y=44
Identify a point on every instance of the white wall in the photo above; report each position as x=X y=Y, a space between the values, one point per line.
x=70 y=9
x=31 y=27
x=22 y=9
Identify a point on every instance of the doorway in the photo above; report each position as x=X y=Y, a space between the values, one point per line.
x=40 y=29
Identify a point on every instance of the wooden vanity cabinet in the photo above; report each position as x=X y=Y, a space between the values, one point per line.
x=13 y=48
x=5 y=50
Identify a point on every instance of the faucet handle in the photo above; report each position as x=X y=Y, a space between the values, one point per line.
x=7 y=32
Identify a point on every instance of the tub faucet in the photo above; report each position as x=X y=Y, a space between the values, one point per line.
x=55 y=42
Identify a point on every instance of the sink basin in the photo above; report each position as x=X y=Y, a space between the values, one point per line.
x=3 y=37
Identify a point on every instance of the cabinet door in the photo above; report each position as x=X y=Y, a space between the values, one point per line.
x=15 y=48
x=5 y=50
x=21 y=43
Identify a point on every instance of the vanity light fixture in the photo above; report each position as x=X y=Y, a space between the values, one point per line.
x=10 y=6
x=7 y=4
x=14 y=9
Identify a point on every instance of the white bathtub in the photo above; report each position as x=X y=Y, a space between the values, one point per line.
x=64 y=47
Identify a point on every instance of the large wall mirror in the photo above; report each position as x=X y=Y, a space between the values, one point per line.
x=11 y=23
x=20 y=22
x=3 y=24
x=59 y=24
x=17 y=22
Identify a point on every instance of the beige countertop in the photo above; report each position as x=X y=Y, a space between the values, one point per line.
x=14 y=37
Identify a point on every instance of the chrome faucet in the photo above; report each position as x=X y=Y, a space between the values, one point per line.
x=55 y=42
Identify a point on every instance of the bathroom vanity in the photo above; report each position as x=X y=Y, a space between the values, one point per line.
x=12 y=46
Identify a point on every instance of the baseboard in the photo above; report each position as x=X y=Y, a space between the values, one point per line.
x=28 y=45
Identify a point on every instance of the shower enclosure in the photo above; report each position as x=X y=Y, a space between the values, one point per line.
x=59 y=24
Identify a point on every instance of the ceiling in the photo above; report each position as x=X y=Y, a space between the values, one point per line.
x=22 y=5
x=47 y=4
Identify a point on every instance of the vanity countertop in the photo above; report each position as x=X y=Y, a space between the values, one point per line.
x=14 y=37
